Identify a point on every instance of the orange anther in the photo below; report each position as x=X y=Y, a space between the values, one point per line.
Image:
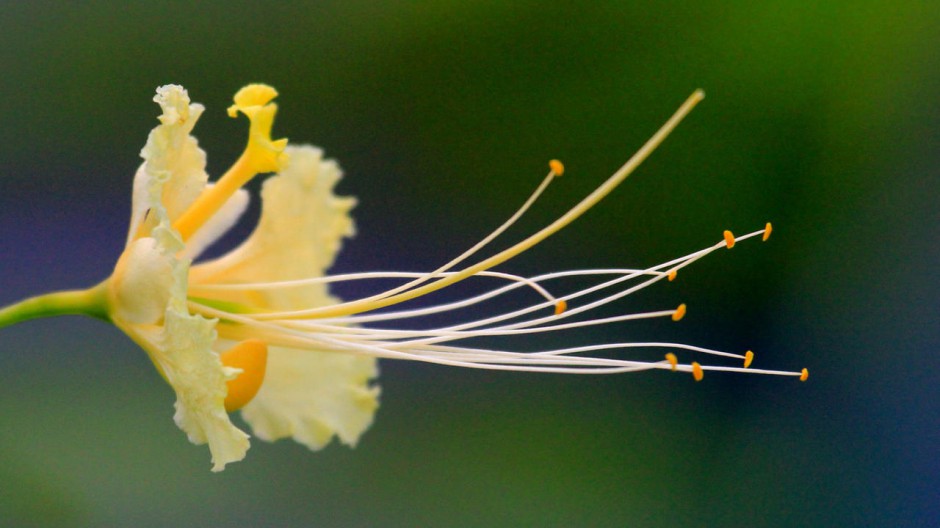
x=679 y=313
x=804 y=375
x=557 y=167
x=560 y=307
x=672 y=275
x=767 y=230
x=673 y=360
x=697 y=372
x=729 y=239
x=748 y=358
x=251 y=356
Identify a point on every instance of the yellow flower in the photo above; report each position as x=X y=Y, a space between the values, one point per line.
x=257 y=329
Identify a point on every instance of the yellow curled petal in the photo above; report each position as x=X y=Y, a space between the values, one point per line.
x=263 y=153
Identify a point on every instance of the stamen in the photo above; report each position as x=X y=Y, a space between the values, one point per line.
x=767 y=229
x=557 y=167
x=592 y=199
x=439 y=272
x=804 y=375
x=626 y=275
x=555 y=361
x=697 y=371
x=748 y=358
x=251 y=356
x=672 y=275
x=679 y=313
x=560 y=307
x=673 y=360
x=729 y=239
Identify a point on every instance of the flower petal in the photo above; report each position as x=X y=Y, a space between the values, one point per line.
x=173 y=155
x=311 y=396
x=182 y=351
x=147 y=292
x=307 y=395
x=300 y=231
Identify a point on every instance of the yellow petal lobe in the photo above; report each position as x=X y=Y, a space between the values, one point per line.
x=252 y=95
x=251 y=356
x=262 y=153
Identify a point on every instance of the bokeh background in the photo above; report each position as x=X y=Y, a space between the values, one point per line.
x=821 y=116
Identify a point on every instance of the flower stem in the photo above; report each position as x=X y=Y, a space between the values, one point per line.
x=91 y=302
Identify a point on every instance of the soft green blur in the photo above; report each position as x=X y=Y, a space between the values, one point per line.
x=821 y=117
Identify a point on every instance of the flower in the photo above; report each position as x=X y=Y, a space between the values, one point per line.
x=257 y=329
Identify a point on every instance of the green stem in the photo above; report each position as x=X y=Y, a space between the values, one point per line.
x=91 y=302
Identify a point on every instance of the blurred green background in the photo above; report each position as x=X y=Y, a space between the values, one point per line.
x=822 y=117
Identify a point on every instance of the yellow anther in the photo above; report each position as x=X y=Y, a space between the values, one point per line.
x=804 y=375
x=679 y=313
x=748 y=358
x=672 y=275
x=767 y=230
x=251 y=356
x=729 y=239
x=557 y=167
x=673 y=360
x=560 y=307
x=697 y=372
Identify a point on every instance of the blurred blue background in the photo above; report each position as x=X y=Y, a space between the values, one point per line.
x=822 y=117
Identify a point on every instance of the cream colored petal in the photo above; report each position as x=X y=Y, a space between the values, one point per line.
x=311 y=396
x=216 y=226
x=182 y=351
x=171 y=156
x=147 y=292
x=179 y=344
x=301 y=229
